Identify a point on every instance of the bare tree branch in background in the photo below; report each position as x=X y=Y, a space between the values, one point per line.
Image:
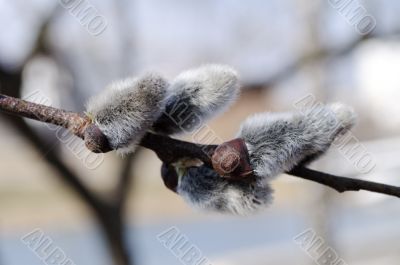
x=108 y=213
x=315 y=56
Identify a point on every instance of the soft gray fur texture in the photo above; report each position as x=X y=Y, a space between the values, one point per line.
x=196 y=95
x=205 y=189
x=126 y=109
x=276 y=142
x=279 y=141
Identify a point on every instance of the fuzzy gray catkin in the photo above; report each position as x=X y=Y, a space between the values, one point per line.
x=279 y=141
x=126 y=109
x=205 y=189
x=196 y=95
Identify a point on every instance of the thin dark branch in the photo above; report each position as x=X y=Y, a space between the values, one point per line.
x=342 y=184
x=170 y=150
x=316 y=56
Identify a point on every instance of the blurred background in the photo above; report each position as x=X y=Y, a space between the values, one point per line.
x=102 y=209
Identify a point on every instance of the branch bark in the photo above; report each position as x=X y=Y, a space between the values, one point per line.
x=75 y=122
x=170 y=150
x=343 y=184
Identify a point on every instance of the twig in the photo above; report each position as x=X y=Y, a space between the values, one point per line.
x=78 y=123
x=342 y=184
x=170 y=150
x=317 y=56
x=75 y=122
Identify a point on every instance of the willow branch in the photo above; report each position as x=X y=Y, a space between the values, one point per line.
x=343 y=184
x=72 y=121
x=78 y=123
x=169 y=149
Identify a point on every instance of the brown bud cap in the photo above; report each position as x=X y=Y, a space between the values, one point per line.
x=95 y=140
x=231 y=159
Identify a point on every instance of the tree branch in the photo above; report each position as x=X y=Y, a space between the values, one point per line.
x=170 y=150
x=342 y=184
x=315 y=56
x=72 y=121
x=109 y=213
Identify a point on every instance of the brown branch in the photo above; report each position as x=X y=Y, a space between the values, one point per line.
x=78 y=123
x=170 y=150
x=342 y=184
x=75 y=122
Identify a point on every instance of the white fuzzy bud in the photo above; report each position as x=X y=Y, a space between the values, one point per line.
x=197 y=95
x=279 y=141
x=126 y=109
